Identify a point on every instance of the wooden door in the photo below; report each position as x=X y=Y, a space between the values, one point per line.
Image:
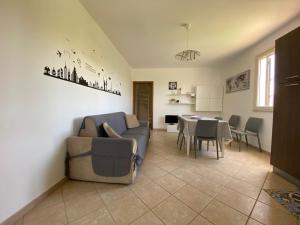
x=143 y=100
x=285 y=153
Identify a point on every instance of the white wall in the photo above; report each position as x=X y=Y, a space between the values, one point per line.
x=187 y=79
x=242 y=102
x=38 y=112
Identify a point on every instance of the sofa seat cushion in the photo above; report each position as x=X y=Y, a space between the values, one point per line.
x=142 y=142
x=138 y=130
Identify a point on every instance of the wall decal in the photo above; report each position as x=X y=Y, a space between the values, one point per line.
x=68 y=67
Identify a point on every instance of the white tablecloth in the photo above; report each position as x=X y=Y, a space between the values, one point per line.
x=190 y=123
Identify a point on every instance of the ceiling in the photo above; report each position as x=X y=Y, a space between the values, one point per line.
x=148 y=32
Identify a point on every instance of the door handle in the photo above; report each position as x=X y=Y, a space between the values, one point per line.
x=291 y=77
x=291 y=85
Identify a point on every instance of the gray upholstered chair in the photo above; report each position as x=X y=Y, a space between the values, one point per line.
x=207 y=130
x=252 y=128
x=181 y=137
x=234 y=122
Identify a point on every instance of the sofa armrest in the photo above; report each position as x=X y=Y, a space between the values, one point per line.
x=144 y=123
x=115 y=146
x=80 y=145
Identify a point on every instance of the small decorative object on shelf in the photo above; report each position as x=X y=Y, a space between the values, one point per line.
x=179 y=91
x=172 y=100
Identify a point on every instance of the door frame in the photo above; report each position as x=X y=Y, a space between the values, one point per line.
x=152 y=97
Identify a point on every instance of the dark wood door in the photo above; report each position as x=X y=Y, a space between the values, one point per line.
x=143 y=100
x=285 y=153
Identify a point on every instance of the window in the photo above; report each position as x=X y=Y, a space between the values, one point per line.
x=265 y=81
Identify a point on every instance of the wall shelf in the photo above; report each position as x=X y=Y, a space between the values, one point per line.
x=181 y=103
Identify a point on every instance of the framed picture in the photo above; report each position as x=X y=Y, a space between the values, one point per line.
x=238 y=82
x=173 y=85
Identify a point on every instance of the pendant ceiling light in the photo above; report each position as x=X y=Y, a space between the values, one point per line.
x=188 y=54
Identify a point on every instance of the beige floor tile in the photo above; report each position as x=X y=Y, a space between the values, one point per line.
x=82 y=205
x=236 y=200
x=217 y=177
x=253 y=222
x=127 y=210
x=272 y=216
x=148 y=219
x=151 y=194
x=170 y=183
x=275 y=181
x=54 y=214
x=53 y=199
x=221 y=214
x=244 y=188
x=114 y=192
x=19 y=222
x=74 y=188
x=98 y=217
x=141 y=180
x=172 y=211
x=206 y=186
x=192 y=197
x=154 y=172
x=168 y=165
x=184 y=174
x=199 y=220
x=264 y=197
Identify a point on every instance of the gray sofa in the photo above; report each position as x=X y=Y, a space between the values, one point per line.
x=92 y=156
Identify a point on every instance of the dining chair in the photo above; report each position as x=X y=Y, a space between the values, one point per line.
x=234 y=122
x=213 y=143
x=207 y=130
x=181 y=137
x=252 y=128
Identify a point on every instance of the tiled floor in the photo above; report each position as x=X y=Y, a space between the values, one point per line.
x=172 y=188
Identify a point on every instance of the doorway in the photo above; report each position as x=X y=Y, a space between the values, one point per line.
x=143 y=100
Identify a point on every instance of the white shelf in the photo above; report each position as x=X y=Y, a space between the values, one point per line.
x=182 y=103
x=189 y=94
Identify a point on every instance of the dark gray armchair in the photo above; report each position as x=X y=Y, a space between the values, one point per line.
x=252 y=128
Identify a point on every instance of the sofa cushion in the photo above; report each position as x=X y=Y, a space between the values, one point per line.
x=110 y=131
x=132 y=121
x=142 y=142
x=138 y=130
x=92 y=125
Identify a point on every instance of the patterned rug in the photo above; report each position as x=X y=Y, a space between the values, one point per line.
x=289 y=199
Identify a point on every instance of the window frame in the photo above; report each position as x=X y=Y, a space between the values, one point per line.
x=257 y=59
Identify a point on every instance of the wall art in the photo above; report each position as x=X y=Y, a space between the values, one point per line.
x=238 y=82
x=70 y=66
x=173 y=85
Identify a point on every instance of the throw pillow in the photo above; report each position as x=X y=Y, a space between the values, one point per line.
x=132 y=121
x=110 y=131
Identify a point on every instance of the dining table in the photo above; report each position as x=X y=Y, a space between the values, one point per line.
x=190 y=123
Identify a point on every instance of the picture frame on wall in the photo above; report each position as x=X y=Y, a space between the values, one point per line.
x=173 y=85
x=238 y=82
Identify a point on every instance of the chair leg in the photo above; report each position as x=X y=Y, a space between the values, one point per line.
x=179 y=134
x=182 y=140
x=246 y=137
x=200 y=145
x=217 y=149
x=237 y=137
x=259 y=144
x=207 y=145
x=240 y=142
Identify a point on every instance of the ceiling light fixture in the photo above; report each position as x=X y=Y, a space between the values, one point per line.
x=188 y=54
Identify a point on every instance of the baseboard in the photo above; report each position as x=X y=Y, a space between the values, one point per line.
x=160 y=129
x=20 y=213
x=287 y=176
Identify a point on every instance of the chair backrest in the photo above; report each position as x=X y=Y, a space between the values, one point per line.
x=207 y=128
x=253 y=124
x=234 y=121
x=218 y=118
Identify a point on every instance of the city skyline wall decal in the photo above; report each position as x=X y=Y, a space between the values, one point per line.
x=69 y=67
